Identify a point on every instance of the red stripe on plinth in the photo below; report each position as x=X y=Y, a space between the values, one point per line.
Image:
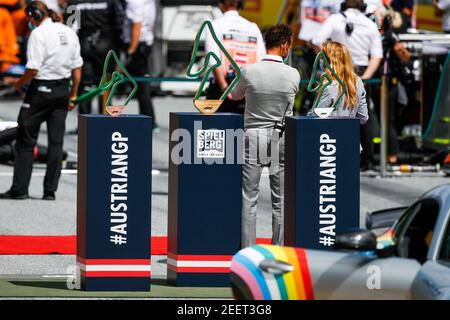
x=198 y=269
x=116 y=274
x=184 y=257
x=114 y=261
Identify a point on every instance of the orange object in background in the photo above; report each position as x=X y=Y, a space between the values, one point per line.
x=10 y=3
x=18 y=15
x=447 y=160
x=8 y=41
x=20 y=22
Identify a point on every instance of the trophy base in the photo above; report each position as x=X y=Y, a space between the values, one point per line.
x=323 y=112
x=114 y=111
x=208 y=106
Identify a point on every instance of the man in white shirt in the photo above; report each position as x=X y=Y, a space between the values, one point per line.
x=313 y=14
x=360 y=34
x=140 y=17
x=444 y=7
x=53 y=60
x=243 y=41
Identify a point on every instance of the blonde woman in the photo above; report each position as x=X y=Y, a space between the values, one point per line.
x=354 y=104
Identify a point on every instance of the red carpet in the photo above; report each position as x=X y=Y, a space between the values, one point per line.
x=64 y=245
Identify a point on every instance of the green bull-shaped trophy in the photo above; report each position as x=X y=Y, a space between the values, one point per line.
x=324 y=81
x=117 y=77
x=210 y=106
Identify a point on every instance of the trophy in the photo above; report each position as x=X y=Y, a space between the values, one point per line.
x=111 y=85
x=324 y=81
x=203 y=105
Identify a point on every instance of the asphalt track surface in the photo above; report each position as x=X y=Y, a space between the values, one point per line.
x=37 y=217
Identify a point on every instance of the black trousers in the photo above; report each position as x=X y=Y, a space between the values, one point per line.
x=393 y=144
x=138 y=67
x=45 y=101
x=368 y=129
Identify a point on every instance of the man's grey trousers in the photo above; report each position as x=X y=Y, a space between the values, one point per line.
x=263 y=148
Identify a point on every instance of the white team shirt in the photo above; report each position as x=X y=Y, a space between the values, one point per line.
x=373 y=5
x=242 y=39
x=144 y=12
x=313 y=15
x=53 y=50
x=365 y=40
x=444 y=5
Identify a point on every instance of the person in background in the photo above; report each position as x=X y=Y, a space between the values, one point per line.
x=443 y=7
x=362 y=38
x=99 y=32
x=397 y=56
x=140 y=17
x=53 y=72
x=406 y=9
x=55 y=6
x=360 y=35
x=269 y=88
x=243 y=40
x=354 y=104
x=313 y=14
x=376 y=10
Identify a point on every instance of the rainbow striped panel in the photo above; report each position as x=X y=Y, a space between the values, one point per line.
x=251 y=283
x=386 y=239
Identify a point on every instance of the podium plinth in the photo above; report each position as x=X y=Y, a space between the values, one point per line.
x=205 y=198
x=322 y=180
x=114 y=202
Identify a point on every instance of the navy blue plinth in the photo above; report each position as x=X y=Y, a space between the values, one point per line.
x=204 y=199
x=114 y=202
x=306 y=173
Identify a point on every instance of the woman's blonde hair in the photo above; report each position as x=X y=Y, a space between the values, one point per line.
x=339 y=59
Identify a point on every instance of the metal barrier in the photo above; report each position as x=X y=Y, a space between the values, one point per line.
x=175 y=79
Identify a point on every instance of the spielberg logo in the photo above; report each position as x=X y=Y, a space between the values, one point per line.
x=211 y=143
